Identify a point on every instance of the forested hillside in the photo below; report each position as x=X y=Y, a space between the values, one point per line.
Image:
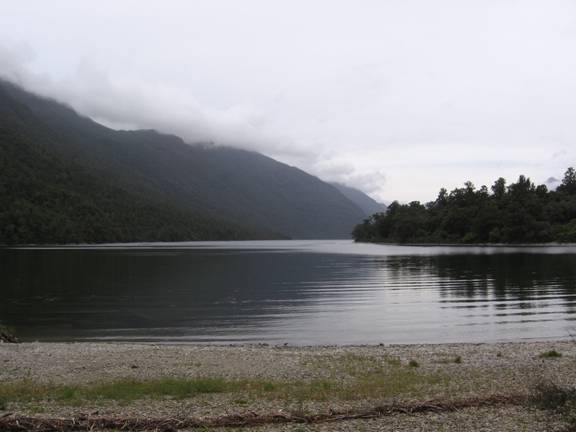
x=46 y=198
x=65 y=178
x=519 y=213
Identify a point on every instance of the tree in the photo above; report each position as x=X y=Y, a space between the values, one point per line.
x=522 y=187
x=569 y=182
x=442 y=198
x=499 y=188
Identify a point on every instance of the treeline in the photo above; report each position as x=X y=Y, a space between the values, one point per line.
x=521 y=212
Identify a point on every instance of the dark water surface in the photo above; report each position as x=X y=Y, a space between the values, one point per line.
x=300 y=292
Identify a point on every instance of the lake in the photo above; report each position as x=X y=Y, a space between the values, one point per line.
x=296 y=292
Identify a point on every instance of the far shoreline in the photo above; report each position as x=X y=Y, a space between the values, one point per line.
x=128 y=245
x=512 y=245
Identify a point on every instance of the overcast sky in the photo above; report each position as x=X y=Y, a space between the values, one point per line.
x=398 y=98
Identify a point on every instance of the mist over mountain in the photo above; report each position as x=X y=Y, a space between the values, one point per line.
x=367 y=204
x=65 y=173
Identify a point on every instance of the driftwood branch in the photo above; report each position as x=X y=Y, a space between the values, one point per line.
x=18 y=423
x=5 y=336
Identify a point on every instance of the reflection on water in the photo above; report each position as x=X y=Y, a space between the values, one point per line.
x=296 y=292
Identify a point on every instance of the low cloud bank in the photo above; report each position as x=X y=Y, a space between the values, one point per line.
x=123 y=104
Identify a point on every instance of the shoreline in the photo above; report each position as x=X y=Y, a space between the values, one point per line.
x=511 y=245
x=79 y=350
x=486 y=380
x=127 y=245
x=286 y=345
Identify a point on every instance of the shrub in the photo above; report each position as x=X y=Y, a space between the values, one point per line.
x=7 y=335
x=561 y=400
x=550 y=354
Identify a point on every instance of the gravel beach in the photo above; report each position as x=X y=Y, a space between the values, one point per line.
x=445 y=372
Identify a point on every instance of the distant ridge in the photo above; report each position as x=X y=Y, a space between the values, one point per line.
x=66 y=178
x=367 y=204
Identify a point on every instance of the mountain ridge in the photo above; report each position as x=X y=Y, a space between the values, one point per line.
x=366 y=203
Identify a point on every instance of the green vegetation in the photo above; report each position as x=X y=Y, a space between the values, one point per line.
x=519 y=213
x=448 y=360
x=124 y=390
x=7 y=334
x=558 y=399
x=48 y=196
x=350 y=378
x=551 y=354
x=368 y=377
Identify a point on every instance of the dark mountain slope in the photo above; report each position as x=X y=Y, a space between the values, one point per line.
x=45 y=198
x=243 y=187
x=368 y=205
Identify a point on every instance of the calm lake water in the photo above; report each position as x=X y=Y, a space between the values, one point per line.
x=297 y=292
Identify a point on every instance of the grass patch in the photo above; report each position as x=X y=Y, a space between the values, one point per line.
x=393 y=361
x=122 y=390
x=377 y=386
x=553 y=397
x=356 y=377
x=350 y=378
x=174 y=388
x=550 y=354
x=448 y=360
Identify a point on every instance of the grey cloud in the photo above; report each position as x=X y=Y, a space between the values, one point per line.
x=128 y=105
x=397 y=98
x=552 y=183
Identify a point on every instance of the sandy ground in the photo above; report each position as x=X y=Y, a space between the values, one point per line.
x=483 y=369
